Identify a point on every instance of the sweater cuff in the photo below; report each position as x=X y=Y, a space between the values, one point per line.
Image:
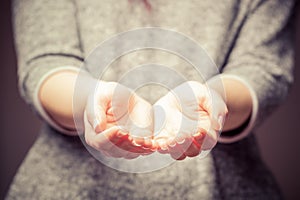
x=246 y=129
x=37 y=103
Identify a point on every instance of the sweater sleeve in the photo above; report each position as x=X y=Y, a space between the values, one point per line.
x=262 y=58
x=46 y=40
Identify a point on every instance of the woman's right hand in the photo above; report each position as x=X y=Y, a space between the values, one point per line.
x=118 y=122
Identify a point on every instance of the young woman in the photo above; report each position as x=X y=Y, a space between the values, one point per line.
x=250 y=42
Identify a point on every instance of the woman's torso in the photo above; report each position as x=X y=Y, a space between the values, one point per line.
x=59 y=167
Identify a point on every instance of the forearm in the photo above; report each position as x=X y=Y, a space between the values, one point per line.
x=56 y=95
x=239 y=103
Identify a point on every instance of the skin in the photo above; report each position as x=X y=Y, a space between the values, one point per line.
x=121 y=121
x=191 y=120
x=130 y=126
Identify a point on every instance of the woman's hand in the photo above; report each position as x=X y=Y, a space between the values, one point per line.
x=118 y=122
x=188 y=120
x=179 y=110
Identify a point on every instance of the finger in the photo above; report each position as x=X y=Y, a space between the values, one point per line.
x=207 y=132
x=113 y=148
x=210 y=140
x=117 y=114
x=181 y=157
x=148 y=143
x=190 y=143
x=147 y=151
x=127 y=145
x=189 y=148
x=161 y=145
x=199 y=137
x=176 y=152
x=175 y=148
x=142 y=136
x=106 y=139
x=187 y=145
x=216 y=108
x=141 y=150
x=90 y=134
x=121 y=104
x=163 y=151
x=122 y=146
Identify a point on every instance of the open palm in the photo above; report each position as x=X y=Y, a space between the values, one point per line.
x=188 y=120
x=118 y=122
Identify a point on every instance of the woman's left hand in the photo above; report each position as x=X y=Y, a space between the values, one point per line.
x=188 y=120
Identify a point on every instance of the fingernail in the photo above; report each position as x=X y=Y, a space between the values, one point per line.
x=196 y=134
x=180 y=141
x=164 y=148
x=121 y=134
x=162 y=144
x=199 y=137
x=135 y=144
x=148 y=142
x=172 y=142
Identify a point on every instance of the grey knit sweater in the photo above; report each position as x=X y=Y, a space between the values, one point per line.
x=248 y=39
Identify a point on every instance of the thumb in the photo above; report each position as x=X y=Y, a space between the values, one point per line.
x=216 y=108
x=96 y=113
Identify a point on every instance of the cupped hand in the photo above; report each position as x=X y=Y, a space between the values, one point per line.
x=118 y=122
x=188 y=120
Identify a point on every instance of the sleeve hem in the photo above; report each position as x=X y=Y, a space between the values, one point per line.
x=39 y=107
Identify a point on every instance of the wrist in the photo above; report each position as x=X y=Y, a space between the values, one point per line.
x=243 y=105
x=57 y=95
x=239 y=103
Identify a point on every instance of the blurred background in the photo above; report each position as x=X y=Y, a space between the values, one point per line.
x=278 y=138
